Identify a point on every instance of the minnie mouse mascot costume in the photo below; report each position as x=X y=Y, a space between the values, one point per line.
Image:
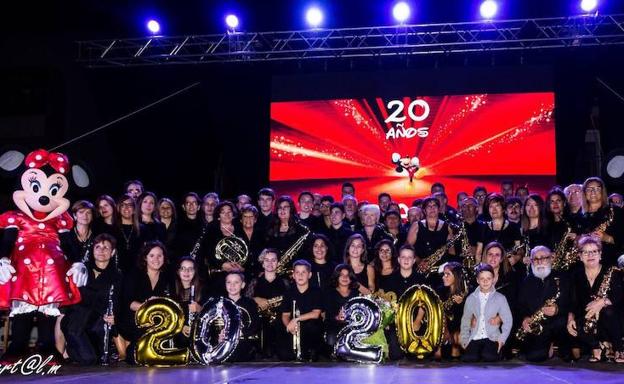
x=36 y=277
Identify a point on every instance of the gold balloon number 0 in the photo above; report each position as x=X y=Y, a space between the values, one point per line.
x=419 y=343
x=163 y=318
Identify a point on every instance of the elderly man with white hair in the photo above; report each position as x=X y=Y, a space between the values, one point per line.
x=542 y=308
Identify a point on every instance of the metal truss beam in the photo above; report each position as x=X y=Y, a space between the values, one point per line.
x=426 y=39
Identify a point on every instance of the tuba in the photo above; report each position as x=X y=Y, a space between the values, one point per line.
x=232 y=249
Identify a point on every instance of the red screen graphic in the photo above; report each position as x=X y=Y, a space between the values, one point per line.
x=462 y=141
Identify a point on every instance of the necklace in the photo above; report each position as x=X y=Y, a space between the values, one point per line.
x=81 y=238
x=127 y=237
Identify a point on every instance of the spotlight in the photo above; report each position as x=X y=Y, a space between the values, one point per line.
x=153 y=26
x=589 y=5
x=401 y=12
x=231 y=21
x=314 y=17
x=488 y=9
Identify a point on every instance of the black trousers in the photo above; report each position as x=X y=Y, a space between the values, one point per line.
x=481 y=350
x=270 y=332
x=311 y=339
x=84 y=333
x=537 y=347
x=394 y=347
x=22 y=324
x=609 y=329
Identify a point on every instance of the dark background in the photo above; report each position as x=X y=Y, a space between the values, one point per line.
x=215 y=136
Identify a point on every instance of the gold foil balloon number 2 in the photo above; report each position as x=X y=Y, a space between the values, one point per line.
x=163 y=319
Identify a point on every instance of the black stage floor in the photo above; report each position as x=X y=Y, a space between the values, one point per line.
x=511 y=372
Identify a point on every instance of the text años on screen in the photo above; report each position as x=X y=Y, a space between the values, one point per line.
x=416 y=114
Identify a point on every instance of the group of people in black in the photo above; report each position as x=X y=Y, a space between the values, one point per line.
x=518 y=273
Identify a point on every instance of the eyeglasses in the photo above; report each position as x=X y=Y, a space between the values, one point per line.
x=593 y=189
x=284 y=208
x=191 y=203
x=102 y=248
x=187 y=269
x=593 y=252
x=126 y=205
x=540 y=259
x=385 y=250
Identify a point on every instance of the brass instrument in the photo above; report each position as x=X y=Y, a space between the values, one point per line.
x=447 y=305
x=269 y=312
x=536 y=321
x=591 y=324
x=232 y=249
x=516 y=248
x=297 y=335
x=606 y=223
x=566 y=251
x=429 y=264
x=107 y=328
x=283 y=265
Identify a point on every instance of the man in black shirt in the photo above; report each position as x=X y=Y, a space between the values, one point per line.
x=301 y=316
x=268 y=291
x=536 y=289
x=338 y=232
x=83 y=323
x=188 y=228
x=266 y=201
x=306 y=207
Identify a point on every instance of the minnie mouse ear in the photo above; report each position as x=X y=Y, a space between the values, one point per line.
x=11 y=160
x=80 y=176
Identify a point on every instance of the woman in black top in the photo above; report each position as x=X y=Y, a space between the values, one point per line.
x=322 y=267
x=356 y=257
x=344 y=287
x=557 y=218
x=602 y=220
x=187 y=284
x=284 y=231
x=151 y=280
x=148 y=216
x=128 y=233
x=82 y=235
x=105 y=216
x=385 y=263
x=167 y=215
x=431 y=233
x=533 y=221
x=500 y=230
x=452 y=294
x=253 y=237
x=590 y=300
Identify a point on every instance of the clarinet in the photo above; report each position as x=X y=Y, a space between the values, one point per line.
x=191 y=315
x=107 y=327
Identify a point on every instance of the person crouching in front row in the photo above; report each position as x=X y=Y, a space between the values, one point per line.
x=485 y=341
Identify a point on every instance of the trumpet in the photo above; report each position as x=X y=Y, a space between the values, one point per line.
x=297 y=335
x=269 y=312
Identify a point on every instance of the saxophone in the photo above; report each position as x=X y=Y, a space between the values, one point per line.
x=428 y=265
x=447 y=305
x=536 y=321
x=606 y=223
x=269 y=312
x=591 y=324
x=566 y=252
x=283 y=266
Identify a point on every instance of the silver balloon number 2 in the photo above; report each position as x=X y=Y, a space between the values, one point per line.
x=363 y=317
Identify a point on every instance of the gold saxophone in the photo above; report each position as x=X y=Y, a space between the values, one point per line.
x=269 y=312
x=591 y=324
x=536 y=321
x=283 y=266
x=566 y=252
x=606 y=223
x=429 y=264
x=447 y=305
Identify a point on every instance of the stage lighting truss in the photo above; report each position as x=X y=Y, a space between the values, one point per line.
x=449 y=38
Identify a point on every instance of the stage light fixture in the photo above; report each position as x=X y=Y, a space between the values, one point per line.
x=589 y=5
x=231 y=21
x=488 y=9
x=401 y=12
x=314 y=17
x=153 y=26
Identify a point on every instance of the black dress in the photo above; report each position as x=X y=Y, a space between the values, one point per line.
x=428 y=241
x=592 y=220
x=507 y=236
x=334 y=302
x=455 y=312
x=80 y=251
x=321 y=275
x=129 y=243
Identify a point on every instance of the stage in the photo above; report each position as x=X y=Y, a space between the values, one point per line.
x=403 y=372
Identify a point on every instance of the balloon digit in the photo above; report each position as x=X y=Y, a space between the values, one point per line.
x=225 y=315
x=419 y=296
x=163 y=319
x=363 y=317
